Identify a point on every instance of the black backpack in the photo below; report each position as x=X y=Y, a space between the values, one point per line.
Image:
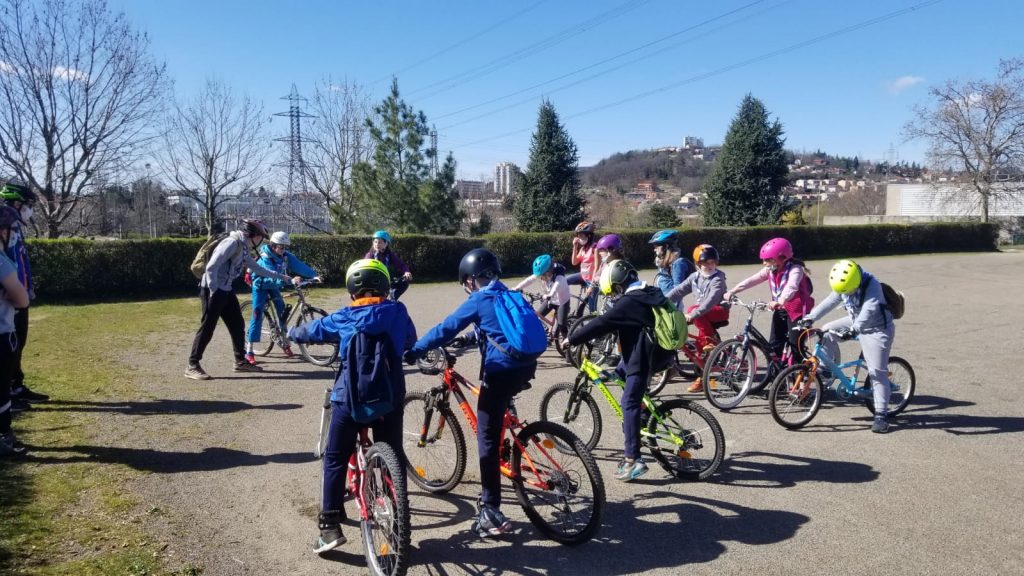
x=367 y=376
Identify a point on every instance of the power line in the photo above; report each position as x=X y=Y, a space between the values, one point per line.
x=549 y=42
x=730 y=67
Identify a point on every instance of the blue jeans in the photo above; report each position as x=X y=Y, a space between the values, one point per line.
x=577 y=280
x=259 y=300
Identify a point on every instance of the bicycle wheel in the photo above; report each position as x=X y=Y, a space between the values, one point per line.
x=728 y=374
x=432 y=362
x=795 y=396
x=320 y=354
x=577 y=412
x=268 y=333
x=435 y=448
x=688 y=441
x=386 y=530
x=904 y=382
x=325 y=424
x=561 y=493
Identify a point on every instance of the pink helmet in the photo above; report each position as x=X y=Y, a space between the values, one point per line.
x=777 y=248
x=609 y=242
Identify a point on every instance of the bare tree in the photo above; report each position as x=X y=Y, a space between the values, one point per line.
x=338 y=140
x=976 y=128
x=79 y=91
x=215 y=147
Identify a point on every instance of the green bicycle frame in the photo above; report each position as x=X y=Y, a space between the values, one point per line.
x=599 y=377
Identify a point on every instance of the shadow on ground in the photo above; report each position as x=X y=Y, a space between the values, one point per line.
x=163 y=462
x=162 y=406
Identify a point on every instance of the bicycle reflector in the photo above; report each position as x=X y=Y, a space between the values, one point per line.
x=547 y=443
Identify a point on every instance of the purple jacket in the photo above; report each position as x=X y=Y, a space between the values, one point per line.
x=396 y=268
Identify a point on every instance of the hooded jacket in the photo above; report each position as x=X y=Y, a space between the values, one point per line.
x=287 y=264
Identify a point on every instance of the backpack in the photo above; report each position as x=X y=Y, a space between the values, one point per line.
x=198 y=266
x=366 y=374
x=894 y=301
x=520 y=325
x=669 y=326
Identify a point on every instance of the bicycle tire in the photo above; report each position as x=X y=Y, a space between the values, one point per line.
x=437 y=463
x=319 y=354
x=792 y=402
x=561 y=493
x=268 y=333
x=661 y=379
x=386 y=530
x=599 y=351
x=904 y=377
x=582 y=417
x=432 y=362
x=729 y=374
x=696 y=426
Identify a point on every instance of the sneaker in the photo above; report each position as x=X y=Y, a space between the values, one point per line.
x=880 y=425
x=18 y=406
x=10 y=447
x=197 y=373
x=244 y=366
x=288 y=351
x=490 y=522
x=630 y=470
x=250 y=358
x=24 y=393
x=697 y=386
x=329 y=539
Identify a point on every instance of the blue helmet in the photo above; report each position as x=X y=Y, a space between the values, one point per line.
x=541 y=264
x=383 y=235
x=664 y=237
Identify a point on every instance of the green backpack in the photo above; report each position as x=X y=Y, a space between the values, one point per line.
x=198 y=266
x=669 y=326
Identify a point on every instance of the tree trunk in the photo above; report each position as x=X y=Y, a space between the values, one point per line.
x=984 y=208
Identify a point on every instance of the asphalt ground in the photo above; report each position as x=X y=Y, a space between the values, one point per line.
x=940 y=494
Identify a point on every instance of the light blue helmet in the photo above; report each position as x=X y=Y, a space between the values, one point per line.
x=383 y=235
x=541 y=264
x=669 y=237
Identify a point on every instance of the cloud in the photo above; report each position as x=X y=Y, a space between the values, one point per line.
x=69 y=74
x=902 y=83
x=6 y=68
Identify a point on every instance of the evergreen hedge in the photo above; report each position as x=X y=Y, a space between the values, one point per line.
x=91 y=269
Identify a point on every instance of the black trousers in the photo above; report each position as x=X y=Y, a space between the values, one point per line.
x=216 y=306
x=7 y=352
x=21 y=329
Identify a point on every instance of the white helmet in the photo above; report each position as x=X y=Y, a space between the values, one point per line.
x=281 y=238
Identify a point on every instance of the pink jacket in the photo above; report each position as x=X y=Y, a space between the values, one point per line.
x=789 y=286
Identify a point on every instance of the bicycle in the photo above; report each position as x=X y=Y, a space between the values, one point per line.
x=550 y=320
x=275 y=330
x=696 y=360
x=561 y=491
x=731 y=368
x=603 y=350
x=684 y=437
x=798 y=391
x=376 y=482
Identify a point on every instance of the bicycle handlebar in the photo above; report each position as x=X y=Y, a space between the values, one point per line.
x=751 y=306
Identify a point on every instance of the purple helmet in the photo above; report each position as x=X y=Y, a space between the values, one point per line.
x=777 y=248
x=610 y=242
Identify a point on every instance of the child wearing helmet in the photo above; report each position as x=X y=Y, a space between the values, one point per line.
x=584 y=255
x=231 y=256
x=370 y=312
x=633 y=319
x=868 y=318
x=708 y=314
x=556 y=297
x=503 y=375
x=790 y=286
x=14 y=297
x=21 y=198
x=400 y=274
x=273 y=256
x=673 y=268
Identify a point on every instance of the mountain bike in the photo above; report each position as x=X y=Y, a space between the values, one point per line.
x=275 y=329
x=561 y=491
x=683 y=436
x=732 y=370
x=604 y=350
x=376 y=482
x=693 y=368
x=797 y=392
x=550 y=320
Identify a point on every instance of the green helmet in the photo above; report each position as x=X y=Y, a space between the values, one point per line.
x=368 y=275
x=12 y=192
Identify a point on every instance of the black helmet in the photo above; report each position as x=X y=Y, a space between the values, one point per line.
x=8 y=217
x=479 y=263
x=12 y=192
x=253 y=227
x=615 y=276
x=368 y=275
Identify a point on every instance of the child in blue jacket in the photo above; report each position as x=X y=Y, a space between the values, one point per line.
x=503 y=376
x=276 y=257
x=371 y=312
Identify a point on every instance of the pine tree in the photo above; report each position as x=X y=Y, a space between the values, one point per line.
x=441 y=213
x=745 y=184
x=548 y=194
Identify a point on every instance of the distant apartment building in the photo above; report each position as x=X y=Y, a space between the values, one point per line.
x=504 y=172
x=471 y=188
x=645 y=190
x=691 y=142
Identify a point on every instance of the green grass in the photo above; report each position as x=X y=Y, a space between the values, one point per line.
x=76 y=517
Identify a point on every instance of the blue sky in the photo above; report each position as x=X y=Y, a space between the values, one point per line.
x=622 y=74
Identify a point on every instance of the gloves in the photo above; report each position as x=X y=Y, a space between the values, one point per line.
x=410 y=357
x=803 y=324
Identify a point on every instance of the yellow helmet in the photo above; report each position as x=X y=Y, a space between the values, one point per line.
x=368 y=274
x=844 y=277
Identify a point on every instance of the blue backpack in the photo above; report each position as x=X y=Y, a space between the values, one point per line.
x=520 y=325
x=367 y=375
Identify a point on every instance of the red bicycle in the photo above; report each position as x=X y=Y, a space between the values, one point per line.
x=555 y=477
x=691 y=369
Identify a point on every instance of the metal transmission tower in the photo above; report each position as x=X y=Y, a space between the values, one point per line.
x=433 y=146
x=296 y=164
